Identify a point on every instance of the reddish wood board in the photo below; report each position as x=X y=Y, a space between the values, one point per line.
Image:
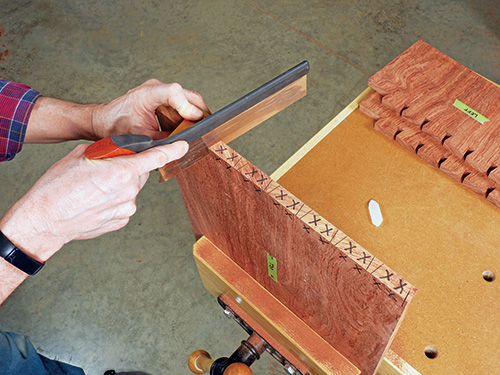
x=422 y=85
x=413 y=139
x=350 y=298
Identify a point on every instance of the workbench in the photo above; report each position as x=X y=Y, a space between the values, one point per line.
x=440 y=237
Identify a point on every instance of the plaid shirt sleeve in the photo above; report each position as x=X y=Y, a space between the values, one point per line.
x=16 y=103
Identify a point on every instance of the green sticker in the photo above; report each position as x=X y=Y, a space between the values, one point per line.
x=469 y=111
x=272 y=267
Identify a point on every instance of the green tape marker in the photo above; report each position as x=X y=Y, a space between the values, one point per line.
x=272 y=267
x=469 y=111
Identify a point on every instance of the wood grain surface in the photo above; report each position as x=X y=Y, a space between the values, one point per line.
x=282 y=329
x=413 y=104
x=422 y=85
x=349 y=297
x=440 y=236
x=411 y=137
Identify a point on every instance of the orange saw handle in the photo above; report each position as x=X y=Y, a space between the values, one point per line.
x=106 y=148
x=128 y=144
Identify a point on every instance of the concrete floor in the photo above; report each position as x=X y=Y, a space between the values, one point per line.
x=132 y=300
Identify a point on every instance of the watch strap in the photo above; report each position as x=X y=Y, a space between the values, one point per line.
x=15 y=256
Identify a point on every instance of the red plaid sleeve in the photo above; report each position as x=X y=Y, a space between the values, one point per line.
x=16 y=103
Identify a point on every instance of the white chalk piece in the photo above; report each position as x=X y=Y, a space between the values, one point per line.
x=375 y=213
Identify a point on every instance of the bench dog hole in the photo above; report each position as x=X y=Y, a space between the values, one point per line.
x=489 y=276
x=430 y=352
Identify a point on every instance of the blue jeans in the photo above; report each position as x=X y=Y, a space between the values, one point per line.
x=19 y=357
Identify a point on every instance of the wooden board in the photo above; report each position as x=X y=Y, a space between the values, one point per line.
x=411 y=137
x=422 y=85
x=349 y=297
x=266 y=315
x=439 y=235
x=242 y=115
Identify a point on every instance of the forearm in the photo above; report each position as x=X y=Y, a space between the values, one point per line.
x=54 y=120
x=78 y=198
x=16 y=226
x=11 y=278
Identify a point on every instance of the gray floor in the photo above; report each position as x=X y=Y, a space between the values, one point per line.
x=132 y=300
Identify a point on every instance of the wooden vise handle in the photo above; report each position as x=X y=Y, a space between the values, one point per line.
x=238 y=369
x=200 y=362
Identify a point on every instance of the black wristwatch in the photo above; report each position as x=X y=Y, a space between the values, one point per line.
x=12 y=254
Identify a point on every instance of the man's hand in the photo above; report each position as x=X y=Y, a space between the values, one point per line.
x=79 y=198
x=54 y=120
x=134 y=112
